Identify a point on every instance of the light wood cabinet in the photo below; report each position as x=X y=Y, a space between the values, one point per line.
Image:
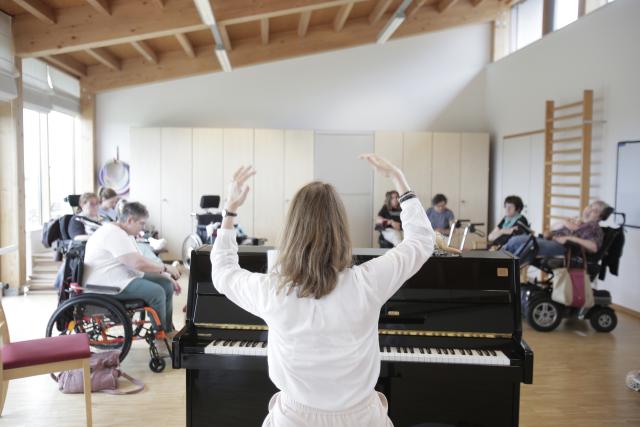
x=268 y=190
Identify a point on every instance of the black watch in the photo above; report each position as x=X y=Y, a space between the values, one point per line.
x=226 y=213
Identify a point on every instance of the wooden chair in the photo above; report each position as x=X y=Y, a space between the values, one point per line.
x=43 y=356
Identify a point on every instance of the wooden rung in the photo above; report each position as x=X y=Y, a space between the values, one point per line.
x=565 y=117
x=564 y=184
x=565 y=173
x=564 y=162
x=565 y=106
x=566 y=128
x=575 y=208
x=557 y=216
x=571 y=139
x=566 y=196
x=567 y=151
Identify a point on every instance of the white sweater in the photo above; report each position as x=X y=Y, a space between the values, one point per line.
x=324 y=353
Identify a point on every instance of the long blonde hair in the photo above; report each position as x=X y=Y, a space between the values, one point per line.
x=315 y=244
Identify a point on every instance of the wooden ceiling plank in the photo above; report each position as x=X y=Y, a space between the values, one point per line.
x=101 y=6
x=445 y=5
x=282 y=46
x=40 y=10
x=146 y=51
x=414 y=7
x=379 y=10
x=105 y=57
x=264 y=30
x=159 y=3
x=303 y=24
x=475 y=3
x=68 y=64
x=341 y=17
x=186 y=45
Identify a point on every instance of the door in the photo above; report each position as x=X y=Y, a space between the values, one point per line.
x=269 y=185
x=238 y=151
x=145 y=173
x=474 y=178
x=207 y=165
x=446 y=169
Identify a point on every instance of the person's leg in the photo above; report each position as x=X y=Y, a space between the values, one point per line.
x=152 y=293
x=549 y=248
x=515 y=243
x=167 y=287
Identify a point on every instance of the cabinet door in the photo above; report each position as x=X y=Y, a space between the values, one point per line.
x=176 y=188
x=207 y=165
x=445 y=163
x=146 y=154
x=269 y=184
x=238 y=151
x=298 y=162
x=416 y=165
x=474 y=177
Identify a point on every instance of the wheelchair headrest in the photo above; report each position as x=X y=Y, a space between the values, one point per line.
x=209 y=201
x=606 y=213
x=73 y=200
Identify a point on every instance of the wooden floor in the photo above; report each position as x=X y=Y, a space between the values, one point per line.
x=578 y=379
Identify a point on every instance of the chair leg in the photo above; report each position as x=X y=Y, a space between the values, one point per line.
x=86 y=376
x=3 y=394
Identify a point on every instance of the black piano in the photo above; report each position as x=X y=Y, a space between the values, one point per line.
x=450 y=343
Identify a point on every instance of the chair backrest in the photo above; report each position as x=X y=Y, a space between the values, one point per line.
x=4 y=328
x=209 y=201
x=64 y=222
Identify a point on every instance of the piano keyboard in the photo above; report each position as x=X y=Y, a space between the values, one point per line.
x=387 y=353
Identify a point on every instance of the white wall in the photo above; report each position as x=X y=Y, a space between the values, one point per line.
x=599 y=52
x=419 y=83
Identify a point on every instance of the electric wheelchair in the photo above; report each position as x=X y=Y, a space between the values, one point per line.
x=542 y=313
x=111 y=324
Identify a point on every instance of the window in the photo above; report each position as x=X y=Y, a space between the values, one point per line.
x=526 y=21
x=49 y=141
x=564 y=13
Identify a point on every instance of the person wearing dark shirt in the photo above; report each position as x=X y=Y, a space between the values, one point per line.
x=585 y=232
x=511 y=222
x=87 y=220
x=388 y=221
x=440 y=216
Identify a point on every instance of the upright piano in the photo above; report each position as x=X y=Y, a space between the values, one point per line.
x=450 y=342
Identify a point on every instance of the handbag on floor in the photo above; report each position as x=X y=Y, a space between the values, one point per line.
x=105 y=371
x=572 y=286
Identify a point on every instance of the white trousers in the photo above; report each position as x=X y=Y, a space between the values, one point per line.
x=285 y=412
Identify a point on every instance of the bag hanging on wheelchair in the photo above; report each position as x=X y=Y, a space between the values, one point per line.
x=572 y=286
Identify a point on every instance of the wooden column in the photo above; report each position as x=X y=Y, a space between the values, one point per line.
x=85 y=143
x=12 y=203
x=548 y=167
x=585 y=166
x=501 y=30
x=548 y=9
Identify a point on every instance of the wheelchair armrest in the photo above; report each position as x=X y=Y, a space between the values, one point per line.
x=101 y=289
x=81 y=238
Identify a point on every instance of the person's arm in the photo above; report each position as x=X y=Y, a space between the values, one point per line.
x=137 y=261
x=589 y=245
x=246 y=289
x=495 y=233
x=384 y=275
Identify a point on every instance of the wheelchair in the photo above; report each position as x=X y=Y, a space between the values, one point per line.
x=542 y=313
x=111 y=324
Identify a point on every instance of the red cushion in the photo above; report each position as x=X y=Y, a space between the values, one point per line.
x=45 y=350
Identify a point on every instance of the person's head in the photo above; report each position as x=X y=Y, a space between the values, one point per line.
x=594 y=212
x=133 y=217
x=439 y=203
x=315 y=244
x=88 y=205
x=108 y=197
x=512 y=206
x=392 y=200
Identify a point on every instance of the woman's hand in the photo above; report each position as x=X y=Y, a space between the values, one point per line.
x=237 y=189
x=176 y=287
x=561 y=239
x=387 y=169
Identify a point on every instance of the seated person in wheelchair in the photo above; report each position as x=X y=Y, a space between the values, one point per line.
x=108 y=201
x=388 y=222
x=440 y=215
x=510 y=224
x=86 y=221
x=112 y=260
x=584 y=232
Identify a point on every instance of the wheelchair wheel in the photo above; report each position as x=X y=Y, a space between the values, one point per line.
x=157 y=364
x=603 y=319
x=543 y=314
x=103 y=320
x=193 y=241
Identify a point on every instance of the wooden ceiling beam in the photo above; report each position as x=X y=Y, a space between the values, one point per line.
x=379 y=10
x=341 y=17
x=41 y=11
x=68 y=64
x=146 y=51
x=105 y=57
x=475 y=3
x=101 y=6
x=159 y=3
x=303 y=24
x=282 y=45
x=445 y=5
x=264 y=30
x=186 y=45
x=414 y=7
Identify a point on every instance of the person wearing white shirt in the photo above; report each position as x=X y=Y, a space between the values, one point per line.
x=322 y=312
x=112 y=259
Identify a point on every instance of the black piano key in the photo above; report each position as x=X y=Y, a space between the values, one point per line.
x=428 y=351
x=388 y=349
x=444 y=350
x=226 y=343
x=264 y=345
x=493 y=353
x=254 y=343
x=469 y=352
x=439 y=351
x=411 y=349
x=486 y=353
x=421 y=350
